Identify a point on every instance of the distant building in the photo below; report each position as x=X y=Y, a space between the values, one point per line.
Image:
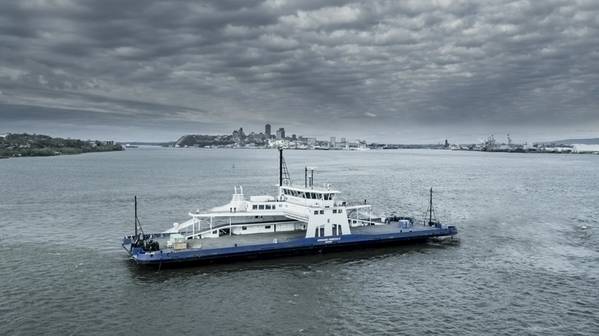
x=281 y=133
x=582 y=148
x=293 y=137
x=267 y=130
x=333 y=142
x=343 y=140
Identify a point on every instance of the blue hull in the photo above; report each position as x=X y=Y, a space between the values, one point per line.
x=165 y=258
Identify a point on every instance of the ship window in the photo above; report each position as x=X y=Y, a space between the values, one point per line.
x=244 y=227
x=316 y=212
x=261 y=207
x=340 y=210
x=340 y=231
x=267 y=226
x=334 y=210
x=214 y=232
x=322 y=232
x=322 y=212
x=255 y=206
x=316 y=232
x=267 y=207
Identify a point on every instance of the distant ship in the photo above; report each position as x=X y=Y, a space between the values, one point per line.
x=300 y=219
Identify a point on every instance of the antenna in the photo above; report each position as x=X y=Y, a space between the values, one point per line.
x=137 y=222
x=280 y=167
x=284 y=177
x=430 y=218
x=431 y=210
x=306 y=177
x=135 y=219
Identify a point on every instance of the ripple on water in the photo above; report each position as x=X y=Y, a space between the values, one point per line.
x=523 y=264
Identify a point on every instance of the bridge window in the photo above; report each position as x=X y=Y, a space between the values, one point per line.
x=255 y=206
x=340 y=210
x=322 y=212
x=244 y=227
x=261 y=207
x=267 y=226
x=334 y=210
x=316 y=212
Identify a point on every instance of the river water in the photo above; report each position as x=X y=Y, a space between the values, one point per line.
x=526 y=261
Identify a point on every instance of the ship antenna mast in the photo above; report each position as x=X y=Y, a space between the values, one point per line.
x=431 y=210
x=284 y=177
x=137 y=222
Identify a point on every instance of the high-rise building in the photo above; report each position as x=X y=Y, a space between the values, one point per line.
x=281 y=133
x=267 y=130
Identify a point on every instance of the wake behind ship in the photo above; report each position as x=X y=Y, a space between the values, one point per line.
x=298 y=220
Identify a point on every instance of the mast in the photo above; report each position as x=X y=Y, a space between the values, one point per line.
x=306 y=177
x=135 y=219
x=280 y=167
x=430 y=209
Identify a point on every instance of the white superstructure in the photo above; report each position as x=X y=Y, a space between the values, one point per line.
x=317 y=211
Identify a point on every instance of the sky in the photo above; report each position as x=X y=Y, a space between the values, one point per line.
x=413 y=71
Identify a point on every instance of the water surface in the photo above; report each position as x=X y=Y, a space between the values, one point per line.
x=526 y=263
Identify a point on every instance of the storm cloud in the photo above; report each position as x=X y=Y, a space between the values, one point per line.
x=417 y=70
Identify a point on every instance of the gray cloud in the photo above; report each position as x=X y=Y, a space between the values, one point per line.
x=429 y=69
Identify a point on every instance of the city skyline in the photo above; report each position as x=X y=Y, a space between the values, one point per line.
x=395 y=72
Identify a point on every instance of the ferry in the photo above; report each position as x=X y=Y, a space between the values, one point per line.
x=300 y=219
